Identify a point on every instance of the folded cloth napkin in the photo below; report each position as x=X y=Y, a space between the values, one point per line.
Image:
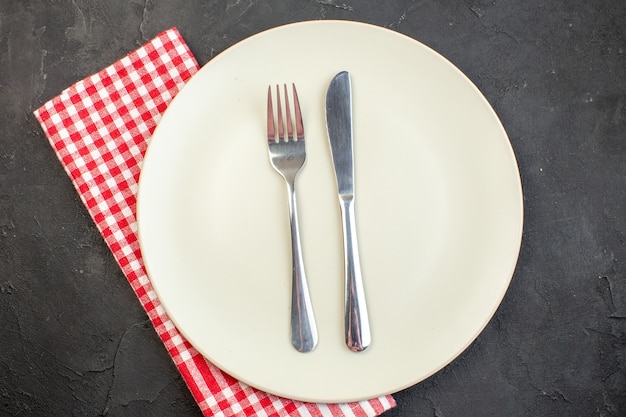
x=100 y=128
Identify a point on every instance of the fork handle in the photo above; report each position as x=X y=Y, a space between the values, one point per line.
x=357 y=328
x=303 y=327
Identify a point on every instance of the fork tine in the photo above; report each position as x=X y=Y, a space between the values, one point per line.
x=298 y=116
x=288 y=114
x=281 y=124
x=271 y=126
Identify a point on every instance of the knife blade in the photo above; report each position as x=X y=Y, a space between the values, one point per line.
x=340 y=137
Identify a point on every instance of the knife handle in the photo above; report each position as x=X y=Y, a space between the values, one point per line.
x=357 y=328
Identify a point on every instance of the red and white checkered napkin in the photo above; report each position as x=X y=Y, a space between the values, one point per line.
x=100 y=128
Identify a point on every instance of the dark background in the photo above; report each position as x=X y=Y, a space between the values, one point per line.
x=74 y=341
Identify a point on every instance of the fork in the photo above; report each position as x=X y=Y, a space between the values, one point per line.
x=287 y=155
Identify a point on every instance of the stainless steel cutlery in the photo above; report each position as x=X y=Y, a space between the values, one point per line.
x=339 y=125
x=287 y=152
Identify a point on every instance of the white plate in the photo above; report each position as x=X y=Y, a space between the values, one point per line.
x=439 y=212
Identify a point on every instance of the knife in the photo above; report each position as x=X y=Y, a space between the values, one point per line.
x=339 y=126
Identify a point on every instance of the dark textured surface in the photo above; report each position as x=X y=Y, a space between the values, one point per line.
x=74 y=341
